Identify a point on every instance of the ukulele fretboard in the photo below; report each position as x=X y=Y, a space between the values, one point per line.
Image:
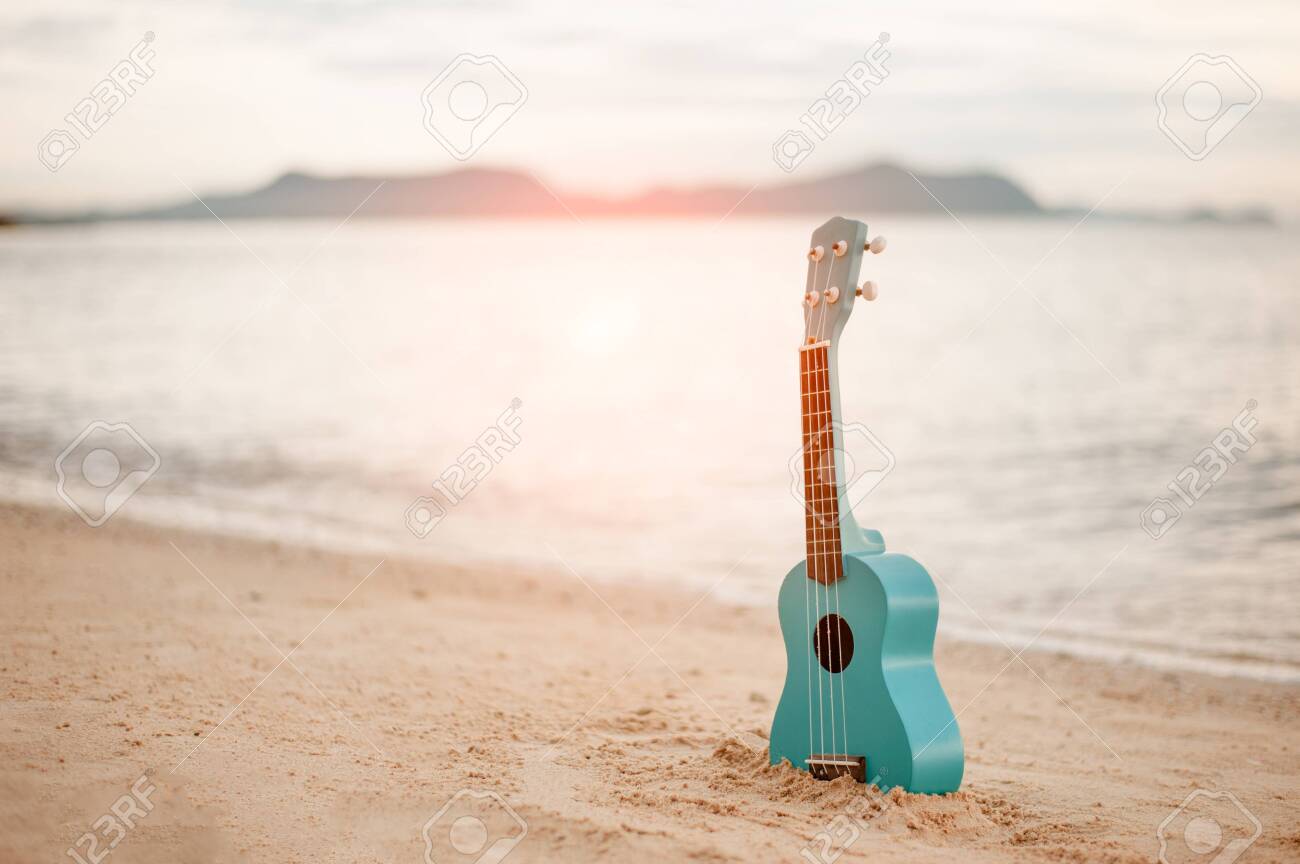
x=821 y=500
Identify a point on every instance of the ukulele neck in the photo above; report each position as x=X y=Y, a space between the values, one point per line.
x=819 y=401
x=830 y=530
x=834 y=260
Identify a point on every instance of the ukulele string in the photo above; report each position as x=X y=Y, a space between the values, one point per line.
x=832 y=492
x=810 y=503
x=824 y=412
x=805 y=404
x=839 y=619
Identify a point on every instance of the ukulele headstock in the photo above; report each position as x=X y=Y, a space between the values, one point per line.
x=834 y=262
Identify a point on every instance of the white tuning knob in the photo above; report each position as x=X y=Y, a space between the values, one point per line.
x=832 y=294
x=816 y=253
x=812 y=298
x=876 y=246
x=840 y=248
x=868 y=291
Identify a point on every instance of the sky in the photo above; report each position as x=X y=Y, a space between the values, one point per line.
x=626 y=96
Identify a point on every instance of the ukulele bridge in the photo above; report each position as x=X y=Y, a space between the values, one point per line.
x=828 y=766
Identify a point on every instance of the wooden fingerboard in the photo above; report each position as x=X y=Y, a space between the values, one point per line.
x=821 y=498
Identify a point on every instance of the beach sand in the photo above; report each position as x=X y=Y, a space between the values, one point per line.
x=616 y=722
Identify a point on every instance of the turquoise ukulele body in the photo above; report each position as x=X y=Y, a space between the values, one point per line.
x=888 y=704
x=858 y=622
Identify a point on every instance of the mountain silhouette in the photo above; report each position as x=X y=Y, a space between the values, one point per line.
x=488 y=192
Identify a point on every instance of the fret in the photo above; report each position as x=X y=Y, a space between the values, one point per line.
x=823 y=525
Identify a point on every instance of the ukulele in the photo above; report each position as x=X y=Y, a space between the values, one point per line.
x=861 y=695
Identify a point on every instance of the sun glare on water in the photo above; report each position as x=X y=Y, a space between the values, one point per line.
x=604 y=329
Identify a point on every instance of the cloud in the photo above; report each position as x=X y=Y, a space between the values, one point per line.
x=630 y=94
x=49 y=36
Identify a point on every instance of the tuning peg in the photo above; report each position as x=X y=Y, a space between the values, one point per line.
x=812 y=298
x=868 y=291
x=840 y=248
x=816 y=253
x=832 y=294
x=876 y=246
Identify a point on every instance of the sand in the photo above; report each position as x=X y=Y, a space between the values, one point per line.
x=408 y=687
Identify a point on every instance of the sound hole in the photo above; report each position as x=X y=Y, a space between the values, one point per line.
x=833 y=643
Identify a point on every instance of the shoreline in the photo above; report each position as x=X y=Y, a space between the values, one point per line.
x=137 y=646
x=357 y=538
